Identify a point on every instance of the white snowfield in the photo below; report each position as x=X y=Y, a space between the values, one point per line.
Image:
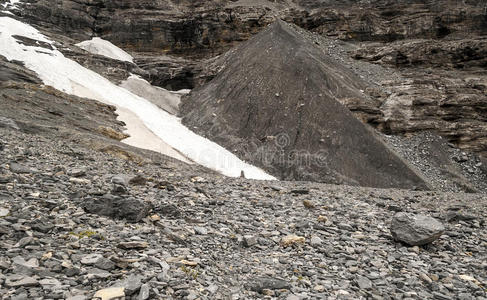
x=68 y=76
x=102 y=47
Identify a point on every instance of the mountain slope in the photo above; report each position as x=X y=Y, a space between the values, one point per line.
x=275 y=102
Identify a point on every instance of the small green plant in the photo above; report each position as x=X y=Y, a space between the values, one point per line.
x=87 y=234
x=190 y=272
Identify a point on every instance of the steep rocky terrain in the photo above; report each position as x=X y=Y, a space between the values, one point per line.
x=439 y=48
x=200 y=235
x=81 y=212
x=276 y=102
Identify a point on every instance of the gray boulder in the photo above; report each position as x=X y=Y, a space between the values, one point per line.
x=415 y=230
x=133 y=210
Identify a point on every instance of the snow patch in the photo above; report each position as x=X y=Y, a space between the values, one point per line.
x=102 y=47
x=66 y=75
x=167 y=100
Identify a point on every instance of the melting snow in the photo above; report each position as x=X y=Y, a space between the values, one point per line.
x=167 y=100
x=66 y=75
x=102 y=47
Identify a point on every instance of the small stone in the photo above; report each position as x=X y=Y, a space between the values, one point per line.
x=189 y=263
x=105 y=264
x=24 y=242
x=322 y=219
x=155 y=218
x=77 y=297
x=415 y=230
x=425 y=278
x=130 y=284
x=144 y=292
x=110 y=293
x=315 y=241
x=200 y=230
x=138 y=180
x=49 y=282
x=249 y=240
x=441 y=296
x=77 y=172
x=91 y=259
x=292 y=239
x=4 y=212
x=31 y=263
x=79 y=180
x=364 y=283
x=8 y=123
x=20 y=169
x=16 y=281
x=267 y=283
x=308 y=204
x=414 y=249
x=319 y=288
x=212 y=288
x=133 y=245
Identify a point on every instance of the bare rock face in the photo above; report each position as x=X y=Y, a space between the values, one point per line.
x=415 y=230
x=443 y=88
x=275 y=103
x=207 y=28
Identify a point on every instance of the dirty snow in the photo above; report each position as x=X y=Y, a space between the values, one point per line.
x=68 y=76
x=102 y=47
x=167 y=100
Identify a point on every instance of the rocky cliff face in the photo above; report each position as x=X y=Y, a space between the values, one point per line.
x=206 y=28
x=437 y=47
x=275 y=103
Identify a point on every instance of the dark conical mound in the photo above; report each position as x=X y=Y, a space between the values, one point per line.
x=274 y=104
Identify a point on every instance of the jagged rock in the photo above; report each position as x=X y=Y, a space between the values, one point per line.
x=144 y=292
x=364 y=283
x=249 y=240
x=292 y=125
x=91 y=259
x=198 y=28
x=131 y=284
x=77 y=172
x=415 y=230
x=133 y=245
x=4 y=212
x=133 y=210
x=8 y=123
x=263 y=283
x=21 y=169
x=17 y=281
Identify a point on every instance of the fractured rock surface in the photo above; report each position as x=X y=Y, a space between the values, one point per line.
x=275 y=103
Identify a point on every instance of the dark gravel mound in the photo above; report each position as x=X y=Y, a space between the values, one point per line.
x=275 y=104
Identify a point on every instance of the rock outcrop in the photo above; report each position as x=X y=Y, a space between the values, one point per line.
x=207 y=28
x=276 y=104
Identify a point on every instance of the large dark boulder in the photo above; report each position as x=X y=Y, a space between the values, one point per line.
x=131 y=209
x=275 y=104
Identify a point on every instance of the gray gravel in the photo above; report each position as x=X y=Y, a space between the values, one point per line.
x=209 y=237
